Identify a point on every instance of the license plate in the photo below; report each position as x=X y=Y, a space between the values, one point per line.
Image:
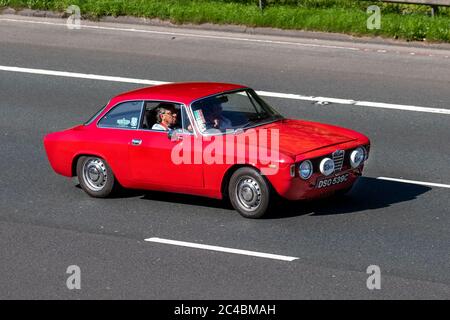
x=328 y=182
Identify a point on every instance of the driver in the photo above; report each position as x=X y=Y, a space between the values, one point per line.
x=214 y=117
x=166 y=117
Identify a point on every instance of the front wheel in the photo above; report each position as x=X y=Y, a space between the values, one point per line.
x=249 y=193
x=95 y=176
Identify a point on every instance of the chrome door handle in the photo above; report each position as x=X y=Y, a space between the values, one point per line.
x=136 y=142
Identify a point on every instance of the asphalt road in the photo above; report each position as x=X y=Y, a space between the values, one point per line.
x=47 y=223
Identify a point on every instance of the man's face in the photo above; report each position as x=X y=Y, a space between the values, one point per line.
x=169 y=117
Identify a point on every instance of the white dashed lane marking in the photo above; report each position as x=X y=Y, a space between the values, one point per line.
x=319 y=100
x=222 y=249
x=422 y=183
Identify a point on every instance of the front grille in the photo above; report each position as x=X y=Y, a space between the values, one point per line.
x=338 y=159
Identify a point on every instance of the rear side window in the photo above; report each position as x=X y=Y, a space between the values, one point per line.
x=125 y=115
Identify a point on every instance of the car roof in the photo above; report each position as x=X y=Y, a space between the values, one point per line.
x=184 y=92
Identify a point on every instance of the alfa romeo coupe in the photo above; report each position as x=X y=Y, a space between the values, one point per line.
x=216 y=140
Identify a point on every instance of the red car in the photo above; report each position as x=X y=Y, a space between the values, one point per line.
x=216 y=140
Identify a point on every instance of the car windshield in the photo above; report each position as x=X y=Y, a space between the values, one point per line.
x=232 y=110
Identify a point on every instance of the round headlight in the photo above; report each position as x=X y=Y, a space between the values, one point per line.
x=326 y=166
x=357 y=157
x=305 y=170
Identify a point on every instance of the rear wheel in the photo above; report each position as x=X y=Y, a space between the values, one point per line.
x=95 y=176
x=249 y=193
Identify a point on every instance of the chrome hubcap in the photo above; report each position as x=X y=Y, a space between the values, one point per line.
x=248 y=193
x=94 y=174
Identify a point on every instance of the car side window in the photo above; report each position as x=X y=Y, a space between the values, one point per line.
x=150 y=115
x=125 y=115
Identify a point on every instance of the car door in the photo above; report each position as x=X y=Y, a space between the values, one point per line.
x=112 y=135
x=155 y=158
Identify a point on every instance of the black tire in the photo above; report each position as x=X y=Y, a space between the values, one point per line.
x=249 y=193
x=90 y=167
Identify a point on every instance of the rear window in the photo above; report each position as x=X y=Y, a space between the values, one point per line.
x=124 y=116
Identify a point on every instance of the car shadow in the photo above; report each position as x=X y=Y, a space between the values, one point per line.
x=185 y=199
x=170 y=198
x=367 y=194
x=123 y=193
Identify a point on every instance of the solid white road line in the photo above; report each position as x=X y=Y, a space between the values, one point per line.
x=262 y=93
x=354 y=102
x=430 y=184
x=222 y=249
x=79 y=75
x=182 y=34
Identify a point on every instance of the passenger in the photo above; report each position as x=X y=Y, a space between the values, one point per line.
x=166 y=117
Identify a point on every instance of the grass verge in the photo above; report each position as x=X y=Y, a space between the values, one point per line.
x=409 y=22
